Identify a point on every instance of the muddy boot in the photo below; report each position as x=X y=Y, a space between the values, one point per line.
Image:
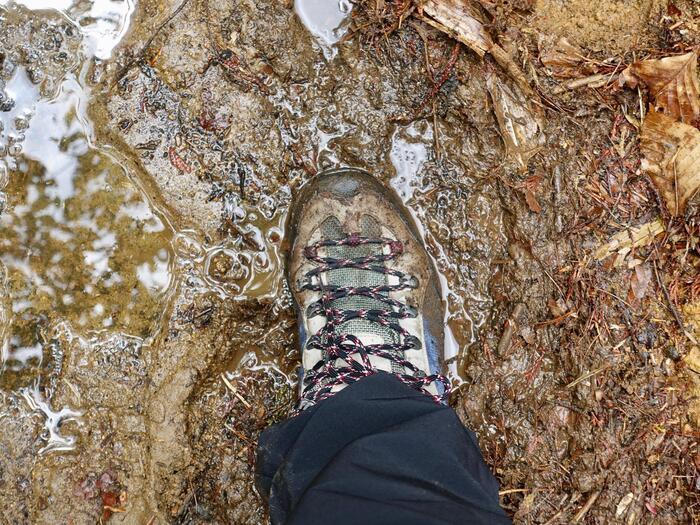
x=367 y=293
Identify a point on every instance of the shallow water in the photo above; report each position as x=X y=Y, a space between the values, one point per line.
x=88 y=258
x=325 y=19
x=83 y=252
x=102 y=23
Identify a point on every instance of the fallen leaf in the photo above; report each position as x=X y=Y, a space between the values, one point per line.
x=532 y=202
x=691 y=311
x=672 y=81
x=177 y=161
x=520 y=125
x=640 y=281
x=650 y=507
x=671 y=152
x=530 y=187
x=672 y=10
x=110 y=499
x=692 y=360
x=623 y=242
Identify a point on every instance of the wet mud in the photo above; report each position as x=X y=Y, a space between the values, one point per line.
x=147 y=160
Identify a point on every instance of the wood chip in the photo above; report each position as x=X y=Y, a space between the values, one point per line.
x=519 y=123
x=623 y=505
x=456 y=18
x=623 y=242
x=460 y=20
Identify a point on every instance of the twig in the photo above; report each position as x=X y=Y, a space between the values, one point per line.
x=513 y=491
x=586 y=376
x=442 y=78
x=124 y=70
x=672 y=307
x=581 y=513
x=506 y=62
x=556 y=516
x=592 y=81
x=234 y=391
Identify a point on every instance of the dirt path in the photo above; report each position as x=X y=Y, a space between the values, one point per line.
x=569 y=362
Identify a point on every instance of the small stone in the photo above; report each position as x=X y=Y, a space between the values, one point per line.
x=7 y=105
x=35 y=76
x=21 y=123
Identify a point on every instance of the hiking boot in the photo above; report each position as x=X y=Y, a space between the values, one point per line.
x=366 y=291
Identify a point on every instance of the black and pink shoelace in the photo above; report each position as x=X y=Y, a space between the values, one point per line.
x=325 y=375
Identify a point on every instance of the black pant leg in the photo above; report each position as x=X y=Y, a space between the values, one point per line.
x=378 y=452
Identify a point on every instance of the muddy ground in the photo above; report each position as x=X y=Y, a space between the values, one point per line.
x=570 y=363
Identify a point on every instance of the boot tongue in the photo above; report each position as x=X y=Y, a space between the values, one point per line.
x=370 y=333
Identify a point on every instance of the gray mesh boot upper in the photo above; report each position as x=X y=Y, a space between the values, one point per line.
x=366 y=290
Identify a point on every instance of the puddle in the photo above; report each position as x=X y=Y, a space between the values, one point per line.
x=83 y=251
x=325 y=20
x=79 y=241
x=102 y=23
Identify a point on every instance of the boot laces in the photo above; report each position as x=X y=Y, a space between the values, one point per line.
x=335 y=345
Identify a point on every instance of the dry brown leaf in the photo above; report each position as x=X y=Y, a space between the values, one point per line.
x=520 y=125
x=671 y=152
x=673 y=82
x=460 y=20
x=532 y=202
x=639 y=283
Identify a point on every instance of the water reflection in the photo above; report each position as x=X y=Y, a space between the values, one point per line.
x=51 y=435
x=103 y=23
x=79 y=240
x=409 y=151
x=325 y=20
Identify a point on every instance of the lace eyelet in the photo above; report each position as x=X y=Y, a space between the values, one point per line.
x=413 y=342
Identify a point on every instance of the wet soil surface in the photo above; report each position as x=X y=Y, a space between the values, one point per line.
x=148 y=335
